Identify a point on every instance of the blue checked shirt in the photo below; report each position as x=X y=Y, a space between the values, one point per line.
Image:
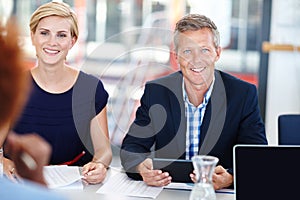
x=194 y=116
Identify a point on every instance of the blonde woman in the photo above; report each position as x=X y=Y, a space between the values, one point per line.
x=67 y=107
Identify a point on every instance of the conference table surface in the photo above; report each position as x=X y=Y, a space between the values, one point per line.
x=89 y=193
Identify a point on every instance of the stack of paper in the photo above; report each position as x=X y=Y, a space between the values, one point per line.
x=63 y=177
x=120 y=184
x=180 y=186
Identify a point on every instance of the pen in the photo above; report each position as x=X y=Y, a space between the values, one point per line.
x=28 y=160
x=75 y=159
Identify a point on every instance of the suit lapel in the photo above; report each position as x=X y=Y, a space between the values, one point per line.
x=205 y=122
x=216 y=114
x=178 y=115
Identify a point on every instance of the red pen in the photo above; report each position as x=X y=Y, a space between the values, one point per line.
x=74 y=160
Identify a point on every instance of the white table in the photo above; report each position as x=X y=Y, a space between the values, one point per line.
x=89 y=193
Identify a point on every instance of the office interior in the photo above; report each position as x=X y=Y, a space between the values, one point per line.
x=119 y=42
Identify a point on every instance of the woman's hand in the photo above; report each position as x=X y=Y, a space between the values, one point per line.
x=17 y=146
x=94 y=172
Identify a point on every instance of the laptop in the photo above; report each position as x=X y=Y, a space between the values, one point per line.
x=264 y=172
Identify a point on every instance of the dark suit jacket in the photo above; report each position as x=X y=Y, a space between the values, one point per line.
x=232 y=117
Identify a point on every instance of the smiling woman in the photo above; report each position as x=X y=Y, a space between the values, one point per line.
x=51 y=110
x=53 y=40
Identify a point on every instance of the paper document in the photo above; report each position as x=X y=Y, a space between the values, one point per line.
x=180 y=186
x=189 y=186
x=120 y=184
x=63 y=177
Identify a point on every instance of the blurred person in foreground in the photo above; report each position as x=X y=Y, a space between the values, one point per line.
x=14 y=88
x=197 y=110
x=66 y=106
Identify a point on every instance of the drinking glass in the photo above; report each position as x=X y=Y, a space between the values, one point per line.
x=204 y=168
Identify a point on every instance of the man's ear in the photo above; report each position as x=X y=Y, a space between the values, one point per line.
x=218 y=51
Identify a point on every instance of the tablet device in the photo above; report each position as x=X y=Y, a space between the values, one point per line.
x=179 y=170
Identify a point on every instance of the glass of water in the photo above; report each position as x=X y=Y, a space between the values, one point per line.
x=204 y=168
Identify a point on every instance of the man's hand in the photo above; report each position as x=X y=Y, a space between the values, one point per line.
x=153 y=177
x=220 y=178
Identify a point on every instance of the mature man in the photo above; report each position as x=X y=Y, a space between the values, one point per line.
x=197 y=110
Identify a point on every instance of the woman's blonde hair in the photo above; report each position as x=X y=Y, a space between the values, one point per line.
x=59 y=9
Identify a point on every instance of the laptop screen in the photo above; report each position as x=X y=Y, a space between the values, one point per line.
x=266 y=172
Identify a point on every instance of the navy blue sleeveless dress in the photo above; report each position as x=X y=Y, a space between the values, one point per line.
x=64 y=119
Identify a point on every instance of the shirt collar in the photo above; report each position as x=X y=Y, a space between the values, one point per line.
x=206 y=96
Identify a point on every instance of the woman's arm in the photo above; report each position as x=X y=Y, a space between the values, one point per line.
x=95 y=171
x=100 y=139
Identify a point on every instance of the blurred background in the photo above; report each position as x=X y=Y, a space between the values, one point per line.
x=127 y=42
